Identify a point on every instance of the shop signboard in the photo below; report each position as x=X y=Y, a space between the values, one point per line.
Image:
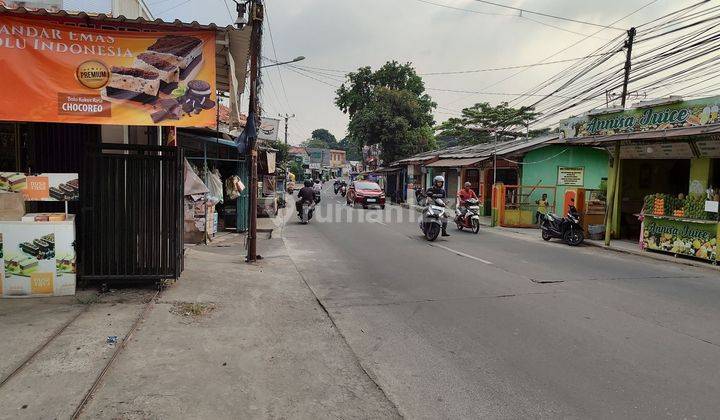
x=269 y=128
x=571 y=176
x=54 y=72
x=697 y=112
x=41 y=187
x=680 y=236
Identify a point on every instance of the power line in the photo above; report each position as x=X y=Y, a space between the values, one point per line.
x=173 y=7
x=519 y=66
x=549 y=15
x=464 y=10
x=272 y=42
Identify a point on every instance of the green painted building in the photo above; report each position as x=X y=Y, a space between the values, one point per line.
x=553 y=169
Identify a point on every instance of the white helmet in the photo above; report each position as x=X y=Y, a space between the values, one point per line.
x=438 y=178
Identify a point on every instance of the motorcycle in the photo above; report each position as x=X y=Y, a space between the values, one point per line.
x=317 y=197
x=566 y=228
x=306 y=212
x=471 y=218
x=431 y=222
x=343 y=190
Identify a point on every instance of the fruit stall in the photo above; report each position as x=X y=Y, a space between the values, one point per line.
x=681 y=225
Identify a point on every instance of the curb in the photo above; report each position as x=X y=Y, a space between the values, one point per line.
x=643 y=254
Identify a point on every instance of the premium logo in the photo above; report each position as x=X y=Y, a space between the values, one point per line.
x=92 y=74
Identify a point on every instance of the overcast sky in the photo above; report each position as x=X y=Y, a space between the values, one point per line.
x=347 y=34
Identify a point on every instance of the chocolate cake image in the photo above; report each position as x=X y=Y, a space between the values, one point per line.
x=28 y=265
x=17 y=182
x=57 y=194
x=185 y=52
x=133 y=84
x=168 y=72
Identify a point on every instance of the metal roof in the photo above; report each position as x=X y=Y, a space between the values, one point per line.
x=454 y=163
x=229 y=40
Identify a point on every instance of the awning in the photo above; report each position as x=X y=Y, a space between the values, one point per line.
x=454 y=163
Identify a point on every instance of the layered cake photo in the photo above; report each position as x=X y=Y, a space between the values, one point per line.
x=162 y=76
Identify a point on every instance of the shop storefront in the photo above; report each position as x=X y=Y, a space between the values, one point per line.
x=667 y=189
x=91 y=183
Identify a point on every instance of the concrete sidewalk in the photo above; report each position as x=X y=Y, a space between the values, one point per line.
x=233 y=340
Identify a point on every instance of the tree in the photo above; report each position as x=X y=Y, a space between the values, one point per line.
x=282 y=156
x=480 y=122
x=389 y=107
x=352 y=150
x=315 y=143
x=326 y=136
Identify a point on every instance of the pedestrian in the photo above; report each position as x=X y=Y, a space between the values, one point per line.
x=541 y=211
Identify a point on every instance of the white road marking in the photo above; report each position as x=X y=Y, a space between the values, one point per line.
x=462 y=254
x=377 y=221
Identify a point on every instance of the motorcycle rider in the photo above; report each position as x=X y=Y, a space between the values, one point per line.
x=464 y=195
x=317 y=185
x=437 y=191
x=305 y=195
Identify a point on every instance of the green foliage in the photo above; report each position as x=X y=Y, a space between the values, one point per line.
x=480 y=121
x=283 y=155
x=389 y=107
x=297 y=169
x=315 y=143
x=326 y=137
x=352 y=150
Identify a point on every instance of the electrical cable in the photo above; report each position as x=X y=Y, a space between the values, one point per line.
x=550 y=16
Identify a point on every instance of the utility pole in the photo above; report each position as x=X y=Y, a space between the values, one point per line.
x=613 y=193
x=256 y=18
x=287 y=117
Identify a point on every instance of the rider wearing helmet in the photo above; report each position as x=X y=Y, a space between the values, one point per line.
x=437 y=191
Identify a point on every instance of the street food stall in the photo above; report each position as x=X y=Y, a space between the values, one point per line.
x=682 y=225
x=662 y=191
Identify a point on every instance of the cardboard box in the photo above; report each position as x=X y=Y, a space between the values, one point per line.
x=12 y=207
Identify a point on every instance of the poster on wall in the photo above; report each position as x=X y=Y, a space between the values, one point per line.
x=571 y=176
x=70 y=74
x=41 y=187
x=38 y=259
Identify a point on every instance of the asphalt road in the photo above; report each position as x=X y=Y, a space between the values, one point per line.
x=499 y=325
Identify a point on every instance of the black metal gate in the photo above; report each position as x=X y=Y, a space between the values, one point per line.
x=132 y=213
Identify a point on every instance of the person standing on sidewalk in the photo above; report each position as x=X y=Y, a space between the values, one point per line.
x=541 y=211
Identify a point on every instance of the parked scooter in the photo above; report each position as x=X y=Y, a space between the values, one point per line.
x=471 y=218
x=567 y=228
x=432 y=219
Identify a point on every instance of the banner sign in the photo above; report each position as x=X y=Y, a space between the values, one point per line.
x=661 y=117
x=573 y=177
x=52 y=72
x=269 y=128
x=680 y=237
x=41 y=187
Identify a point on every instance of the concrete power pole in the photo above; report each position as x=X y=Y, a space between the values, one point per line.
x=612 y=193
x=256 y=20
x=286 y=117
